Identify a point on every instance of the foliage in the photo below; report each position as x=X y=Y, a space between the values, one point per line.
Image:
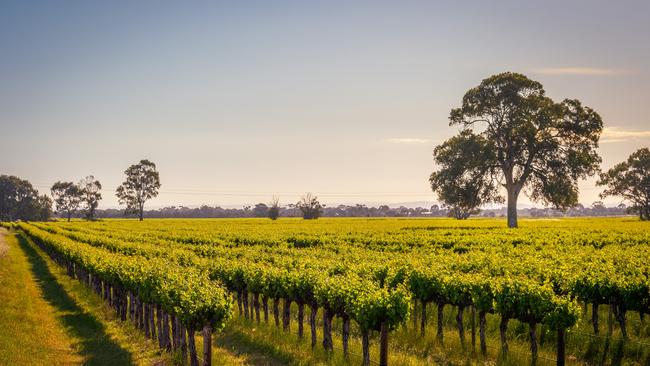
x=368 y=270
x=141 y=184
x=20 y=201
x=90 y=188
x=67 y=197
x=460 y=183
x=260 y=210
x=630 y=180
x=309 y=206
x=528 y=141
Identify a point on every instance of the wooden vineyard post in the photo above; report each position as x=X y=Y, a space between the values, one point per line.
x=383 y=345
x=561 y=346
x=194 y=360
x=207 y=345
x=440 y=333
x=365 y=344
x=312 y=324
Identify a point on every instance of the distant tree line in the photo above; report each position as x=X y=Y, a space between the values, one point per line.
x=261 y=210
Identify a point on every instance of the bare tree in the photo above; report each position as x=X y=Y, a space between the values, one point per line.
x=274 y=208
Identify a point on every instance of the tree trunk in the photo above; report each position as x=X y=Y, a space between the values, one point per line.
x=328 y=344
x=440 y=334
x=141 y=212
x=152 y=322
x=265 y=306
x=256 y=305
x=503 y=328
x=239 y=303
x=183 y=333
x=276 y=311
x=532 y=327
x=207 y=345
x=415 y=314
x=244 y=297
x=473 y=325
x=301 y=318
x=136 y=312
x=346 y=335
x=561 y=346
x=365 y=345
x=513 y=193
x=383 y=345
x=312 y=323
x=594 y=317
x=620 y=316
x=461 y=328
x=175 y=340
x=423 y=319
x=145 y=321
x=131 y=307
x=610 y=322
x=482 y=324
x=159 y=323
x=251 y=305
x=166 y=340
x=286 y=315
x=194 y=360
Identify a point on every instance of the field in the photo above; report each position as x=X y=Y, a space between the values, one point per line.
x=392 y=291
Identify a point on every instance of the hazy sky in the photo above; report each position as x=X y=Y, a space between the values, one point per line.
x=236 y=101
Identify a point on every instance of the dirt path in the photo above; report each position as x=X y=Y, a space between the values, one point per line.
x=4 y=248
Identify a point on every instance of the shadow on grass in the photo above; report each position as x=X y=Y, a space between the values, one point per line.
x=96 y=346
x=256 y=351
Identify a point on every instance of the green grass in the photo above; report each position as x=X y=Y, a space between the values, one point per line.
x=46 y=318
x=29 y=330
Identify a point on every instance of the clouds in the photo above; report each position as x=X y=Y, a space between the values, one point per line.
x=618 y=134
x=582 y=71
x=409 y=141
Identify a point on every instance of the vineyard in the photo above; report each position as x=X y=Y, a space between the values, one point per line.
x=380 y=282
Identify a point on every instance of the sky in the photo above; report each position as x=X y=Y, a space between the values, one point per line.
x=239 y=101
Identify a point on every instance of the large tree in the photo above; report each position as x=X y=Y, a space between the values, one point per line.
x=20 y=201
x=90 y=188
x=141 y=184
x=630 y=180
x=67 y=196
x=460 y=183
x=534 y=143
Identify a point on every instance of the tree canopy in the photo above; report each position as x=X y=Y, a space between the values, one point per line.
x=91 y=196
x=141 y=184
x=461 y=183
x=630 y=180
x=310 y=207
x=526 y=141
x=20 y=201
x=67 y=197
